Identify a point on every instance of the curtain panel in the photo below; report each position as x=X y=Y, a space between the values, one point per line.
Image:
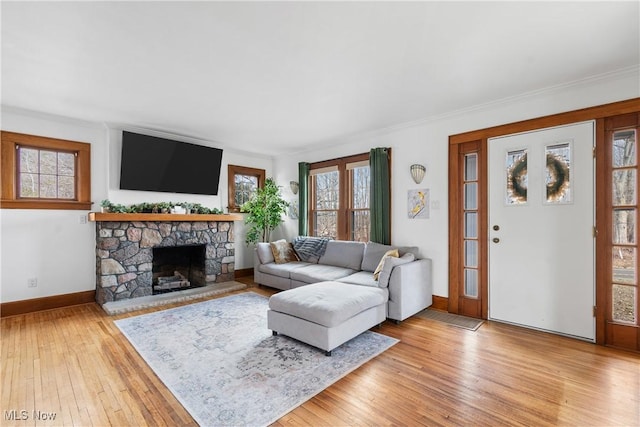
x=380 y=196
x=303 y=192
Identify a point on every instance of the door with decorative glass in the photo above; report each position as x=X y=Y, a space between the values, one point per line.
x=620 y=237
x=541 y=218
x=468 y=245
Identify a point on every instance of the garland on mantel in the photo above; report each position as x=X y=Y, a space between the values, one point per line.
x=159 y=207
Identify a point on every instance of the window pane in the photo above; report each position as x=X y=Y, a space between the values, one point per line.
x=361 y=191
x=471 y=225
x=327 y=190
x=517 y=177
x=624 y=226
x=624 y=187
x=28 y=160
x=471 y=283
x=48 y=186
x=48 y=162
x=245 y=186
x=29 y=185
x=624 y=303
x=624 y=148
x=47 y=174
x=471 y=253
x=360 y=224
x=66 y=187
x=471 y=196
x=471 y=167
x=66 y=164
x=624 y=265
x=326 y=224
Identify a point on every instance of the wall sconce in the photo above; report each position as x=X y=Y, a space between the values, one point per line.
x=417 y=172
x=294 y=186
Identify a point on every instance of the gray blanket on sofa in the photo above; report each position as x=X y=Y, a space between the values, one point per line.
x=310 y=248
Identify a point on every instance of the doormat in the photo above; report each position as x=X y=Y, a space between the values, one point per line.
x=465 y=322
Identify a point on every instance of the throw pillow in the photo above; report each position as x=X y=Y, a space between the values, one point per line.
x=389 y=264
x=264 y=253
x=283 y=251
x=390 y=253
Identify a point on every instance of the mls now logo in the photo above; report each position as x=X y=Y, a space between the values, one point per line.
x=23 y=415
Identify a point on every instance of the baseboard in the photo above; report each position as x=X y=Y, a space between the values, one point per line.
x=243 y=272
x=46 y=303
x=440 y=303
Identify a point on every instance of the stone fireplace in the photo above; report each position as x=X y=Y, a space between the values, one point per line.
x=125 y=249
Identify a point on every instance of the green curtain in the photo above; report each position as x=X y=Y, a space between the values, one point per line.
x=380 y=196
x=303 y=191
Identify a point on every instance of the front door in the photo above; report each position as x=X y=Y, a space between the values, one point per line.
x=541 y=218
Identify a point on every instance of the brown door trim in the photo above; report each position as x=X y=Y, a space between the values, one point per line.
x=455 y=200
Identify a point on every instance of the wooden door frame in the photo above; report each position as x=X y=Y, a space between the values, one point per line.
x=597 y=113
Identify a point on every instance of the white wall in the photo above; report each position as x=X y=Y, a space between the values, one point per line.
x=53 y=246
x=426 y=142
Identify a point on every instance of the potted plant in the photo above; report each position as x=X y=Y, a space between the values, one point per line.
x=265 y=210
x=105 y=206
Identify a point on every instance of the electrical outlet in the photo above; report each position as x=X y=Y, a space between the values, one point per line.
x=32 y=283
x=83 y=219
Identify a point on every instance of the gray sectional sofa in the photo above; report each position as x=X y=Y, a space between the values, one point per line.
x=407 y=277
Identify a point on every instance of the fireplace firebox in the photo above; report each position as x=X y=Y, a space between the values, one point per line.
x=177 y=268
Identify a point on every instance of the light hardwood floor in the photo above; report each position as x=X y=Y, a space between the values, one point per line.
x=75 y=363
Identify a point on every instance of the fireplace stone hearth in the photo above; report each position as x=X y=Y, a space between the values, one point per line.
x=124 y=253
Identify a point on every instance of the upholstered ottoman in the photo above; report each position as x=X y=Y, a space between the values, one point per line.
x=327 y=314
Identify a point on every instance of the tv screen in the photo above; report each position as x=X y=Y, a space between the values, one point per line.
x=150 y=163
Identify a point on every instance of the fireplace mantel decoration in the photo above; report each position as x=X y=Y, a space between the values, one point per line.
x=125 y=242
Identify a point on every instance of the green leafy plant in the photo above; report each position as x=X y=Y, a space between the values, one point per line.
x=265 y=209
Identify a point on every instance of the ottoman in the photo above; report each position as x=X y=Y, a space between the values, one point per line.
x=327 y=314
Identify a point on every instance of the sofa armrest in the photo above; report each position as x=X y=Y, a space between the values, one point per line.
x=410 y=289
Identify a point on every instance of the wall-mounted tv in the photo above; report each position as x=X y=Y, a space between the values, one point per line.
x=150 y=163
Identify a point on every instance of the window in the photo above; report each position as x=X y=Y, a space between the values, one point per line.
x=243 y=182
x=45 y=173
x=339 y=194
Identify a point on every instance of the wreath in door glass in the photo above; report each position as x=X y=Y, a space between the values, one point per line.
x=557 y=178
x=517 y=177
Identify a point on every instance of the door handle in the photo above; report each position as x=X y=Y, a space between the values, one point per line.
x=496 y=240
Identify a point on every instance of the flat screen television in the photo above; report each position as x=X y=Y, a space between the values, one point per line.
x=150 y=163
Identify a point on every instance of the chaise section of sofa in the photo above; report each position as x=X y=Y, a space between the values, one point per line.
x=407 y=276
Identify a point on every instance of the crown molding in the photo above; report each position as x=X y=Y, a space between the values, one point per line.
x=633 y=71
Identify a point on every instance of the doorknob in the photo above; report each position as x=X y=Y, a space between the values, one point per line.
x=496 y=227
x=496 y=240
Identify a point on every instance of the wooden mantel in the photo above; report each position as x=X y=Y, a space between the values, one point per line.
x=132 y=217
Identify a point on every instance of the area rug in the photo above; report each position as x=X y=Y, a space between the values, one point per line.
x=224 y=366
x=465 y=322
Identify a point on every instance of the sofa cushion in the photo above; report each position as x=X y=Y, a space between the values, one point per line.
x=373 y=253
x=362 y=278
x=283 y=251
x=388 y=265
x=392 y=253
x=265 y=255
x=327 y=303
x=281 y=270
x=313 y=273
x=342 y=253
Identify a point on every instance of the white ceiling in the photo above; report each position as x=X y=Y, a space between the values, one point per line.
x=275 y=76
